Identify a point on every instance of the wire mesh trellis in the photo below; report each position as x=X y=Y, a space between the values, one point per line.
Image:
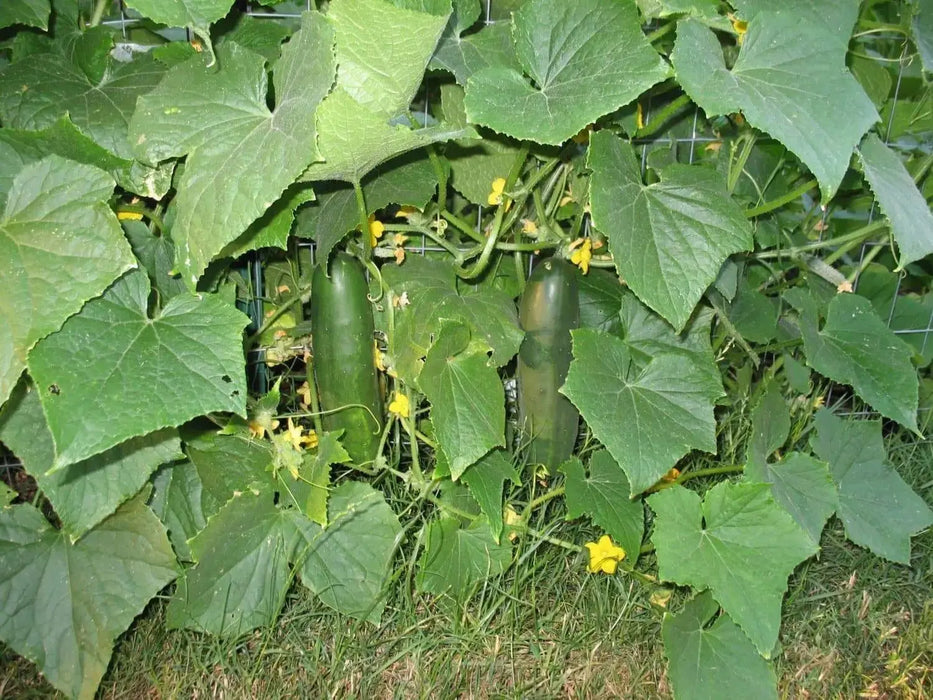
x=698 y=135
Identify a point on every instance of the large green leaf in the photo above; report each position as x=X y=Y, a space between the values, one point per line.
x=64 y=604
x=802 y=486
x=354 y=140
x=899 y=198
x=42 y=88
x=738 y=543
x=137 y=374
x=433 y=293
x=855 y=347
x=648 y=418
x=85 y=493
x=64 y=139
x=383 y=48
x=347 y=563
x=603 y=494
x=33 y=13
x=241 y=576
x=196 y=15
x=241 y=154
x=580 y=60
x=226 y=464
x=670 y=238
x=60 y=245
x=879 y=511
x=711 y=658
x=457 y=557
x=784 y=41
x=466 y=395
x=486 y=479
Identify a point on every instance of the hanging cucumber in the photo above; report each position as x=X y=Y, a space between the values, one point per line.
x=548 y=310
x=343 y=360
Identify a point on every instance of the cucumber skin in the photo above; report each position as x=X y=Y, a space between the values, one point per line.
x=343 y=361
x=548 y=310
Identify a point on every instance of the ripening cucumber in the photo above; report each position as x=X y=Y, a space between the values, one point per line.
x=343 y=356
x=549 y=308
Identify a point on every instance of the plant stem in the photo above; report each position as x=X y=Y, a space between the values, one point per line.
x=425 y=231
x=711 y=471
x=854 y=236
x=494 y=234
x=782 y=200
x=542 y=499
x=662 y=116
x=98 y=14
x=364 y=221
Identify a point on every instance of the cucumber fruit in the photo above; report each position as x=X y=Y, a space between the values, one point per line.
x=343 y=356
x=549 y=308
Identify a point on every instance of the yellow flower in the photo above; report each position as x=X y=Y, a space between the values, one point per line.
x=129 y=216
x=376 y=229
x=604 y=555
x=407 y=212
x=582 y=255
x=495 y=196
x=304 y=392
x=399 y=405
x=671 y=475
x=529 y=227
x=740 y=26
x=377 y=354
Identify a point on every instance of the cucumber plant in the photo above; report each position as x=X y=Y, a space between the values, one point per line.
x=712 y=239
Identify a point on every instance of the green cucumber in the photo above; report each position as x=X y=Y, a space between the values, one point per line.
x=549 y=308
x=343 y=356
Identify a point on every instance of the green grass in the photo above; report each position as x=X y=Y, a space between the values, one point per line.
x=854 y=626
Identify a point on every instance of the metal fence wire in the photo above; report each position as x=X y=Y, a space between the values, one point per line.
x=694 y=134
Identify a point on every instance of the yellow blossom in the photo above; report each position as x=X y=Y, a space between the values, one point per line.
x=399 y=240
x=819 y=401
x=740 y=26
x=377 y=353
x=844 y=286
x=261 y=425
x=604 y=555
x=713 y=146
x=582 y=255
x=495 y=195
x=283 y=289
x=399 y=405
x=295 y=436
x=529 y=227
x=671 y=475
x=407 y=212
x=304 y=393
x=376 y=229
x=129 y=216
